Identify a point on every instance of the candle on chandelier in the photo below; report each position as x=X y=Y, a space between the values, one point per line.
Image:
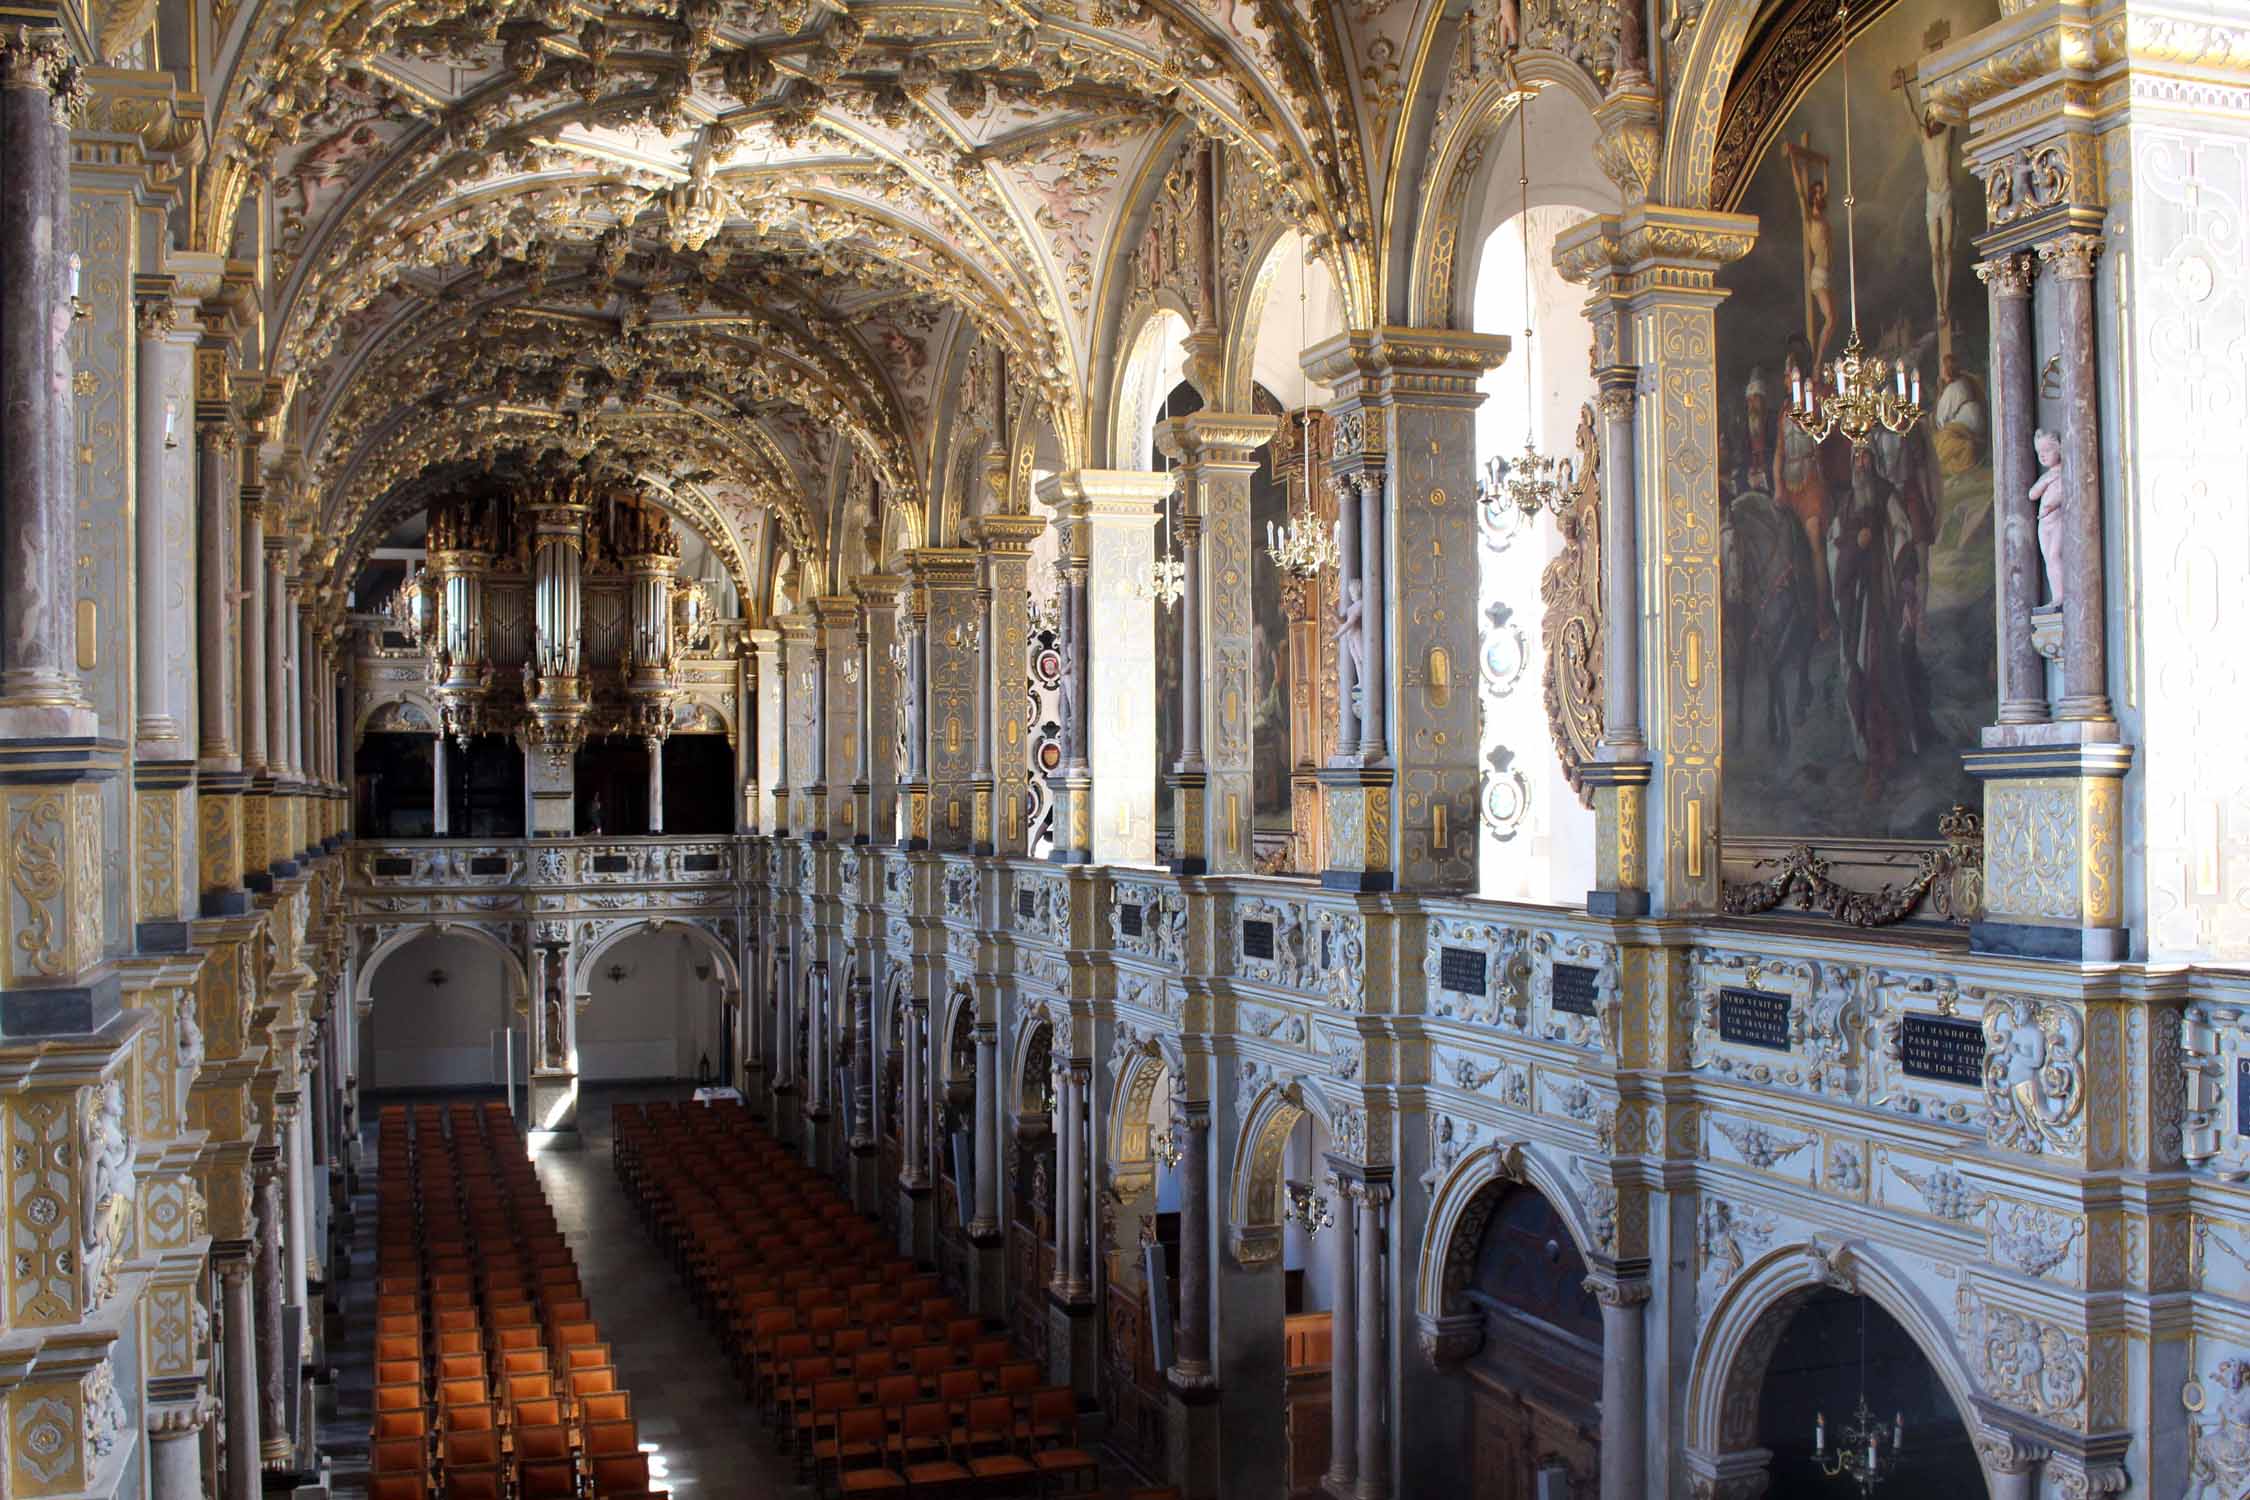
x=171 y=416
x=1901 y=380
x=1820 y=1432
x=1917 y=387
x=74 y=276
x=1898 y=1430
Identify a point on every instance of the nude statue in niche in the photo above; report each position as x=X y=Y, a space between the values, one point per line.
x=1351 y=649
x=2047 y=494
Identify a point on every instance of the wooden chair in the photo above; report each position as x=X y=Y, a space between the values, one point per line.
x=607 y=1406
x=401 y=1424
x=618 y=1474
x=539 y=1411
x=468 y=1448
x=546 y=1479
x=474 y=1484
x=399 y=1487
x=1063 y=1465
x=547 y=1440
x=399 y=1455
x=861 y=1435
x=612 y=1437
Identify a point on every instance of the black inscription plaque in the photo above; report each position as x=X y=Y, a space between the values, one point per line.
x=1574 y=989
x=488 y=864
x=611 y=864
x=1754 y=1018
x=1257 y=938
x=2242 y=1096
x=1129 y=921
x=387 y=867
x=699 y=864
x=1461 y=970
x=1025 y=905
x=1949 y=1049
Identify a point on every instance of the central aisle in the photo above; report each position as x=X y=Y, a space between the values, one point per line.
x=703 y=1435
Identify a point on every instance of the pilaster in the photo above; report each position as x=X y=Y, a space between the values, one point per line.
x=945 y=578
x=1005 y=544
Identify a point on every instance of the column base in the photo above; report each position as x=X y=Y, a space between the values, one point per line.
x=1626 y=903
x=64 y=1010
x=867 y=1178
x=917 y=1227
x=224 y=904
x=1359 y=829
x=988 y=1264
x=2088 y=945
x=1070 y=856
x=1192 y=1440
x=1070 y=1341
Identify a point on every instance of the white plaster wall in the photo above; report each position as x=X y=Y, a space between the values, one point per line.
x=655 y=1020
x=2174 y=306
x=425 y=1035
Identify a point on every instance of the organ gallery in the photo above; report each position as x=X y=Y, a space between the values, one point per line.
x=1359 y=748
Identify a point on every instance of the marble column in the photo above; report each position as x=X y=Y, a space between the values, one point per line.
x=297 y=1227
x=238 y=1327
x=2085 y=601
x=914 y=1170
x=216 y=662
x=1343 y=1344
x=1004 y=541
x=985 y=1226
x=1347 y=568
x=250 y=626
x=175 y=1443
x=2015 y=412
x=863 y=764
x=1624 y=1387
x=864 y=1135
x=281 y=744
x=815 y=824
x=152 y=559
x=655 y=745
x=1192 y=1365
x=914 y=712
x=441 y=813
x=38 y=85
x=1622 y=739
x=274 y=1362
x=1077 y=1276
x=881 y=689
x=1373 y=1394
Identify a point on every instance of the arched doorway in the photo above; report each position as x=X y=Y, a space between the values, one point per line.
x=1841 y=1351
x=438 y=1000
x=1032 y=1219
x=1535 y=1384
x=655 y=1002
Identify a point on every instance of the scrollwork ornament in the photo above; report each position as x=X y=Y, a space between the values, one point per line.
x=2034 y=1075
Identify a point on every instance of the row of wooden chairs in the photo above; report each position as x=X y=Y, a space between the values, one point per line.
x=870 y=1377
x=492 y=1379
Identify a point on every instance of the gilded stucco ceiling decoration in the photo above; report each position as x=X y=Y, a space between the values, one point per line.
x=976 y=155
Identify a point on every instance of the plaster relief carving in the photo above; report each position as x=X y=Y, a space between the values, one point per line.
x=2034 y=1083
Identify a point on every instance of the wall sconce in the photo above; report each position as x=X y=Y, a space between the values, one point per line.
x=618 y=973
x=436 y=979
x=1307 y=1207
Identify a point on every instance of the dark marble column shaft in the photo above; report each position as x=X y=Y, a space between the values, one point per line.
x=2015 y=407
x=1194 y=1364
x=1374 y=725
x=2085 y=674
x=216 y=663
x=1622 y=738
x=238 y=1320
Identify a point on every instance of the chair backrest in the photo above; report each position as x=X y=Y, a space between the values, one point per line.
x=399 y=1397
x=587 y=1356
x=925 y=1419
x=1018 y=1376
x=959 y=1385
x=469 y=1418
x=539 y=1411
x=398 y=1487
x=524 y=1335
x=834 y=1395
x=547 y=1440
x=397 y=1371
x=523 y=1361
x=530 y=1386
x=932 y=1359
x=862 y=1424
x=547 y=1479
x=571 y=1335
x=459 y=1366
x=396 y=1424
x=1057 y=1404
x=473 y=1484
x=478 y=1447
x=992 y=1414
x=894 y=1391
x=592 y=1382
x=606 y=1406
x=613 y=1437
x=399 y=1455
x=872 y=1364
x=619 y=1473
x=468 y=1391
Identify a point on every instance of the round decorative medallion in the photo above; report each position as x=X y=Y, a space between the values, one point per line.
x=2195 y=277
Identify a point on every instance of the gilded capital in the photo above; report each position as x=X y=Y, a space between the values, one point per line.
x=2010 y=274
x=2072 y=256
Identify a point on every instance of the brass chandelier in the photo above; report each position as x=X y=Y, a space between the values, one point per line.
x=1867 y=393
x=1299 y=547
x=1533 y=481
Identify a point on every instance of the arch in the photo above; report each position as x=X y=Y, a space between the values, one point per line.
x=960 y=1009
x=1459 y=1211
x=1254 y=1191
x=1277 y=260
x=583 y=964
x=1747 y=1322
x=1137 y=1072
x=1155 y=361
x=1699 y=90
x=388 y=943
x=1033 y=1066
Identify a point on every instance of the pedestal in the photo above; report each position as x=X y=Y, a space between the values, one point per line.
x=917 y=1227
x=1192 y=1438
x=553 y=1095
x=1620 y=853
x=1070 y=1343
x=1359 y=828
x=2054 y=859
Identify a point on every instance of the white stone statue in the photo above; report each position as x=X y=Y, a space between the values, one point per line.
x=2034 y=1075
x=108 y=1187
x=2047 y=494
x=1351 y=649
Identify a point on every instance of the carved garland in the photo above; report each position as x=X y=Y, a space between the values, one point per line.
x=1571 y=588
x=1951 y=877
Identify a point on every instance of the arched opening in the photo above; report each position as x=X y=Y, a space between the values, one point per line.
x=956 y=1143
x=1145 y=1159
x=1033 y=1221
x=1310 y=1265
x=1842 y=1353
x=892 y=1091
x=1290 y=306
x=1536 y=836
x=653 y=1006
x=1535 y=1381
x=439 y=1003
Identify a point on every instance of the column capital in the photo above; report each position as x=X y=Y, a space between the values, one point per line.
x=1613 y=1291
x=2071 y=257
x=2009 y=274
x=180 y=1419
x=1209 y=438
x=1653 y=248
x=1005 y=534
x=39 y=57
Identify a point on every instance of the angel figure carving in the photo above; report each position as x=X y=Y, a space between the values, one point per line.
x=2034 y=1076
x=2219 y=1450
x=2047 y=495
